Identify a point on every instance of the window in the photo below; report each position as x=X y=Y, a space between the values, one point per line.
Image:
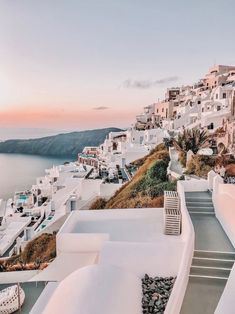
x=199 y=102
x=224 y=95
x=162 y=109
x=216 y=96
x=157 y=110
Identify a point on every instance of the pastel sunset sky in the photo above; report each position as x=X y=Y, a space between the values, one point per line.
x=76 y=64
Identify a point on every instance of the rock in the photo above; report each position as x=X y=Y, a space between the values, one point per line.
x=156 y=293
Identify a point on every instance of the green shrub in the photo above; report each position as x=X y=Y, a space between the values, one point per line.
x=156 y=174
x=152 y=171
x=158 y=171
x=159 y=189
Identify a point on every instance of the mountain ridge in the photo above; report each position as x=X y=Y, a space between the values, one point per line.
x=61 y=145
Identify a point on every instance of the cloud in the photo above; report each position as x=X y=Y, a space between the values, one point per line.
x=101 y=108
x=145 y=84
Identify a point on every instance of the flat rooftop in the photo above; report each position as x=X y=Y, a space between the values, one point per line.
x=131 y=225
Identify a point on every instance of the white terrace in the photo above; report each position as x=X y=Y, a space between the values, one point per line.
x=115 y=248
x=121 y=244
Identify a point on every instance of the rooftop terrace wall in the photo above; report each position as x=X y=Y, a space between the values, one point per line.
x=187 y=236
x=224 y=198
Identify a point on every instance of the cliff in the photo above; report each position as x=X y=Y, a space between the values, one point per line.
x=61 y=145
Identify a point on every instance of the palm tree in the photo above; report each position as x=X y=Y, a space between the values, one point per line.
x=192 y=140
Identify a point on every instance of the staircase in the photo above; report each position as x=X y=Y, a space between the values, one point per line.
x=199 y=203
x=207 y=264
x=213 y=257
x=212 y=265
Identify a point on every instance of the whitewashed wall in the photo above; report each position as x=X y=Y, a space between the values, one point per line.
x=224 y=200
x=177 y=296
x=226 y=304
x=80 y=242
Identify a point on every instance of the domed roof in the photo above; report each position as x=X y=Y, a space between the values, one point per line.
x=97 y=289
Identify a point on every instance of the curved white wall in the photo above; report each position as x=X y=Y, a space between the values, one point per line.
x=226 y=304
x=97 y=289
x=177 y=296
x=224 y=200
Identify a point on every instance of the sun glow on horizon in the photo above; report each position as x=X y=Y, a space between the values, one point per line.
x=66 y=118
x=57 y=64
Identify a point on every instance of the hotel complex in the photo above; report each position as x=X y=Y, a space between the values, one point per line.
x=175 y=259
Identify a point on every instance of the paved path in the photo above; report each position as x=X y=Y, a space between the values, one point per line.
x=175 y=164
x=213 y=259
x=32 y=293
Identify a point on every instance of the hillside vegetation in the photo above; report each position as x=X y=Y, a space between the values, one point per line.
x=61 y=145
x=200 y=165
x=36 y=255
x=147 y=187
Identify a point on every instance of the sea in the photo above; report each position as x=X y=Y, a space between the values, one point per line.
x=19 y=172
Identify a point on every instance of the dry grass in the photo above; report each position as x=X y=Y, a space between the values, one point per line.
x=129 y=195
x=100 y=203
x=36 y=255
x=182 y=158
x=200 y=165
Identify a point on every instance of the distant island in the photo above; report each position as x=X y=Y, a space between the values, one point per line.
x=62 y=145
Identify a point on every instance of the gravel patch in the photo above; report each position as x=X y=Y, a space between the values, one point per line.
x=156 y=293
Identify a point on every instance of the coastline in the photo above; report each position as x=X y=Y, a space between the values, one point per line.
x=20 y=171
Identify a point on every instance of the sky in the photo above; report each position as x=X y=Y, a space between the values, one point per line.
x=76 y=64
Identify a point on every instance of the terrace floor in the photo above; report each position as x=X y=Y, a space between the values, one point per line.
x=213 y=257
x=137 y=225
x=32 y=293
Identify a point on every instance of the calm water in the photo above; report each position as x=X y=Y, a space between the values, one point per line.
x=19 y=172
